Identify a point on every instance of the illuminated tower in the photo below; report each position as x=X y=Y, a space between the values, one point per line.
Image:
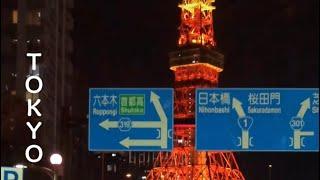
x=196 y=64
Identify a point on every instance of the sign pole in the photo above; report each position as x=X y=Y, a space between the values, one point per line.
x=102 y=166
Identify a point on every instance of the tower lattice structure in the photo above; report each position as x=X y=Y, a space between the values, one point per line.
x=196 y=65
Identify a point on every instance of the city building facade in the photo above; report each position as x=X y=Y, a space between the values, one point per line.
x=33 y=26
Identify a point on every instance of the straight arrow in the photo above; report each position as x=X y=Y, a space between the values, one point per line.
x=154 y=98
x=237 y=105
x=127 y=142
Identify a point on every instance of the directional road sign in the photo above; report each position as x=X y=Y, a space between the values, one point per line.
x=130 y=119
x=257 y=119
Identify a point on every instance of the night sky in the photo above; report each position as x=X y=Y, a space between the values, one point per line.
x=266 y=44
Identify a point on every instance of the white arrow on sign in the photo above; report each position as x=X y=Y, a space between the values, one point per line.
x=305 y=105
x=163 y=141
x=155 y=99
x=127 y=142
x=245 y=139
x=107 y=124
x=237 y=105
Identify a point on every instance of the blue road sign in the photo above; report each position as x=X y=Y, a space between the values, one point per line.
x=257 y=119
x=130 y=119
x=10 y=173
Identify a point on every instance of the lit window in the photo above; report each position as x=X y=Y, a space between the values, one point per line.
x=13 y=92
x=33 y=18
x=34 y=73
x=14 y=16
x=31 y=96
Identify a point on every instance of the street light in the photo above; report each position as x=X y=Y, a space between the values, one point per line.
x=20 y=166
x=270 y=169
x=56 y=159
x=128 y=175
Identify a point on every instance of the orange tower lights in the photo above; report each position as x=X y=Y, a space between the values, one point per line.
x=196 y=64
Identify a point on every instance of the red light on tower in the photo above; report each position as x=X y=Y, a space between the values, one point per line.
x=196 y=22
x=196 y=65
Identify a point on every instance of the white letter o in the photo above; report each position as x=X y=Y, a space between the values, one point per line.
x=39 y=151
x=28 y=82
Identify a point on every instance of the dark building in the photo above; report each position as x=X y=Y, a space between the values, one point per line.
x=45 y=27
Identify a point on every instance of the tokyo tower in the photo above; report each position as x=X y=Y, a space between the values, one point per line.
x=195 y=65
